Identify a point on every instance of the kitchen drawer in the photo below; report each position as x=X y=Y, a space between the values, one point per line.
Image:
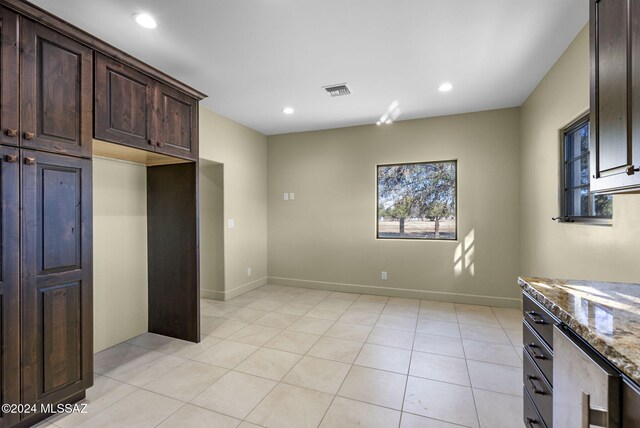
x=532 y=418
x=539 y=351
x=538 y=388
x=538 y=318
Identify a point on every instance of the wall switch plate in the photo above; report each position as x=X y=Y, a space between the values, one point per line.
x=383 y=275
x=286 y=196
x=292 y=196
x=249 y=273
x=231 y=223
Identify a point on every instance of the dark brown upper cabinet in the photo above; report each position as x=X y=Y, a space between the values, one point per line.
x=8 y=77
x=123 y=104
x=615 y=95
x=55 y=92
x=9 y=283
x=134 y=109
x=57 y=327
x=176 y=123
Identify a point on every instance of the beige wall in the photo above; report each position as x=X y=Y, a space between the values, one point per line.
x=211 y=228
x=243 y=152
x=568 y=250
x=119 y=251
x=325 y=237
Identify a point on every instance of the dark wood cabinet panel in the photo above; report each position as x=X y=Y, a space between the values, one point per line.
x=611 y=86
x=9 y=283
x=174 y=269
x=615 y=95
x=177 y=123
x=56 y=91
x=635 y=86
x=132 y=108
x=8 y=77
x=630 y=403
x=123 y=104
x=57 y=360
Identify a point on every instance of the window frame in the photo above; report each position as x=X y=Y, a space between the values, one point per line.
x=457 y=229
x=563 y=189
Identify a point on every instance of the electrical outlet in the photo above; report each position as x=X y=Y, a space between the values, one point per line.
x=383 y=275
x=249 y=271
x=292 y=196
x=231 y=223
x=286 y=196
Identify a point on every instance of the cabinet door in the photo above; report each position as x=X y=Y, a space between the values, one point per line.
x=123 y=100
x=176 y=123
x=630 y=404
x=55 y=92
x=8 y=77
x=634 y=10
x=611 y=145
x=57 y=342
x=9 y=283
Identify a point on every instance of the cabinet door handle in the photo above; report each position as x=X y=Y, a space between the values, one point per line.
x=532 y=423
x=631 y=169
x=535 y=317
x=159 y=144
x=532 y=347
x=29 y=161
x=29 y=135
x=593 y=416
x=151 y=142
x=11 y=158
x=11 y=132
x=534 y=387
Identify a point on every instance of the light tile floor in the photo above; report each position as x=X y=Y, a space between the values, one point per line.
x=291 y=357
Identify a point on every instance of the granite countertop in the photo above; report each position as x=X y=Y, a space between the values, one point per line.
x=605 y=314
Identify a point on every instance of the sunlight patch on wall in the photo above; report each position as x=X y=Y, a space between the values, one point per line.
x=463 y=256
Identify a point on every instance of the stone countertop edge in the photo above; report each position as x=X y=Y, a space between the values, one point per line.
x=627 y=364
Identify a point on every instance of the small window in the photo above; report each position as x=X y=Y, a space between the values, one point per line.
x=578 y=204
x=417 y=201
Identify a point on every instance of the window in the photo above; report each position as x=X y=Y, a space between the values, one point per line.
x=578 y=204
x=417 y=201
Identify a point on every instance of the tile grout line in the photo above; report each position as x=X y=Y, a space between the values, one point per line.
x=473 y=396
x=278 y=382
x=350 y=368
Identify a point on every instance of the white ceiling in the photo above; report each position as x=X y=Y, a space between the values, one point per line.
x=253 y=57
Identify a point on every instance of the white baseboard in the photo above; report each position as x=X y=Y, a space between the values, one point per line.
x=235 y=292
x=473 y=299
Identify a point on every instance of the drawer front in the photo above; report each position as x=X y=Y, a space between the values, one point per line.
x=538 y=318
x=538 y=388
x=538 y=351
x=532 y=418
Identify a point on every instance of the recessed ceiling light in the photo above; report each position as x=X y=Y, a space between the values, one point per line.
x=288 y=110
x=145 y=20
x=445 y=87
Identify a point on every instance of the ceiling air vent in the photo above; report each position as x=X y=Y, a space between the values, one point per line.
x=337 y=90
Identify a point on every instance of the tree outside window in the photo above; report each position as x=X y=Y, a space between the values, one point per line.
x=417 y=201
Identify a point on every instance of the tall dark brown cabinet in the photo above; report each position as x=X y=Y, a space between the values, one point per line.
x=46 y=271
x=52 y=77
